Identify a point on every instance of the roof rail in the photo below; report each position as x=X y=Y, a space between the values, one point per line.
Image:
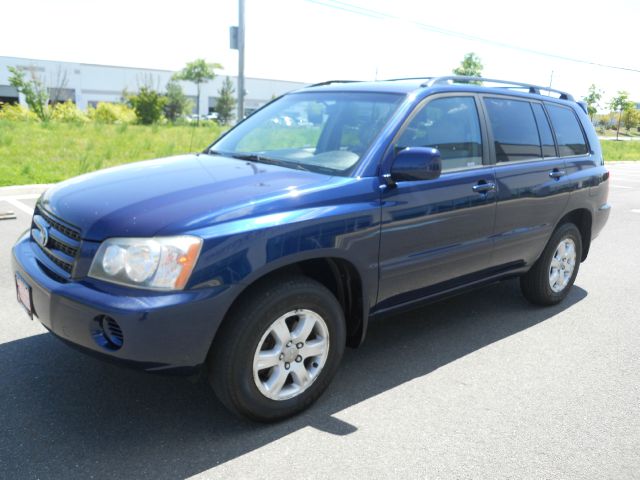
x=514 y=85
x=404 y=78
x=329 y=82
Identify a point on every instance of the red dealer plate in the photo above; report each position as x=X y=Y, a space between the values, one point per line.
x=24 y=294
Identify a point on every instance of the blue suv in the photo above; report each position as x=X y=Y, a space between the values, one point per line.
x=262 y=257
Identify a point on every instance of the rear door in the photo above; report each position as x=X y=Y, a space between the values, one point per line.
x=435 y=233
x=531 y=178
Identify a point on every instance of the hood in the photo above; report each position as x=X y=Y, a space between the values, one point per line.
x=172 y=195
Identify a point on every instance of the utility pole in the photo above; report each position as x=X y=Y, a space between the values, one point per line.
x=240 y=60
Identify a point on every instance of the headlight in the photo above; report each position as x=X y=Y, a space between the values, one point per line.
x=160 y=263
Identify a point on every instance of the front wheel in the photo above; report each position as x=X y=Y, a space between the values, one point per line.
x=552 y=276
x=279 y=350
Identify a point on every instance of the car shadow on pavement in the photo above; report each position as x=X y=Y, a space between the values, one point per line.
x=66 y=415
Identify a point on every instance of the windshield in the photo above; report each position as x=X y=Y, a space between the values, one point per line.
x=326 y=132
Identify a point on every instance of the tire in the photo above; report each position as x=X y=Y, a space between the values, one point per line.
x=551 y=277
x=240 y=378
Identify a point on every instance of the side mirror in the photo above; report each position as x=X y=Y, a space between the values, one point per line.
x=416 y=163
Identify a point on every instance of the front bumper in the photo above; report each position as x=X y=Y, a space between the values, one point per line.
x=161 y=331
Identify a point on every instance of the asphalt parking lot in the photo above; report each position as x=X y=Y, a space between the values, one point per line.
x=483 y=385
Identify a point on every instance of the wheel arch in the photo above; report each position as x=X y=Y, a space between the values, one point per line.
x=338 y=274
x=583 y=219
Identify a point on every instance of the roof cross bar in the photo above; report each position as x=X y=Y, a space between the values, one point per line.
x=462 y=79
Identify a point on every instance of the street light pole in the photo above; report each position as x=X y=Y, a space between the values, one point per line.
x=240 y=60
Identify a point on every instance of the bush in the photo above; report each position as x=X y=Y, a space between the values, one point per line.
x=16 y=112
x=177 y=102
x=68 y=112
x=148 y=105
x=112 y=113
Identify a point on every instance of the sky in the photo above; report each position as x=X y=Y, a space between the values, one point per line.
x=316 y=40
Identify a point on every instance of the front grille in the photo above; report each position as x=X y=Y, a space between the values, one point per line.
x=58 y=240
x=69 y=232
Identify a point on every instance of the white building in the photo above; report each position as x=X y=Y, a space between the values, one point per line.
x=87 y=84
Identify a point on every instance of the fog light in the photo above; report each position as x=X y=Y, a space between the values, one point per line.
x=107 y=332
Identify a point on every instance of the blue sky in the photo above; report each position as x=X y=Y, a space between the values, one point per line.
x=314 y=40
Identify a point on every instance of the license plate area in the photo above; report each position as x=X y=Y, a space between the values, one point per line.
x=23 y=292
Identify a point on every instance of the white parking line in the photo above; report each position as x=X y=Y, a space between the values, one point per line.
x=19 y=205
x=635 y=210
x=620 y=186
x=26 y=196
x=625 y=179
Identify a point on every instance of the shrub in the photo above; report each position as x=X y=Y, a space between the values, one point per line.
x=68 y=112
x=177 y=102
x=149 y=105
x=112 y=113
x=16 y=112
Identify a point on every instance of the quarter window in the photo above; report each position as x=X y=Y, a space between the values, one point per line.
x=514 y=129
x=451 y=125
x=568 y=132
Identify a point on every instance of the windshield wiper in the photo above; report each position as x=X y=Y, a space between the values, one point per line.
x=254 y=157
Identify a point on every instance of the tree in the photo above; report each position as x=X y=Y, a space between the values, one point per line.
x=631 y=118
x=592 y=99
x=226 y=102
x=177 y=102
x=470 y=66
x=148 y=105
x=620 y=104
x=34 y=91
x=198 y=72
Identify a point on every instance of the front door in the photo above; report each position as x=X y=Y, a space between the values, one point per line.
x=436 y=233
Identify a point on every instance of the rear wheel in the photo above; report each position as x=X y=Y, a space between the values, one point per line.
x=279 y=350
x=552 y=276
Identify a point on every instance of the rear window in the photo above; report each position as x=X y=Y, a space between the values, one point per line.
x=570 y=138
x=515 y=132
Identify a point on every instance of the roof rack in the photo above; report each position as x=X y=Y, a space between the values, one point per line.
x=513 y=85
x=403 y=78
x=329 y=82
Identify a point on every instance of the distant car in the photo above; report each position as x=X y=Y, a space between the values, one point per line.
x=211 y=116
x=194 y=117
x=262 y=257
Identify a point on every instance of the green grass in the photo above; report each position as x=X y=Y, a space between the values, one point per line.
x=620 y=150
x=48 y=153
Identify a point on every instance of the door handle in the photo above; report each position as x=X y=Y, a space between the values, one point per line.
x=556 y=173
x=483 y=187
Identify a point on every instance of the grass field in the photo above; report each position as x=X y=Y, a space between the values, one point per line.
x=621 y=150
x=48 y=153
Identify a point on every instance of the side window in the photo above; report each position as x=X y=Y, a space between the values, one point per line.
x=568 y=132
x=451 y=125
x=546 y=137
x=514 y=129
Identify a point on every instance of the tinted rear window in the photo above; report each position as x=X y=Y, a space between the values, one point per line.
x=568 y=132
x=515 y=133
